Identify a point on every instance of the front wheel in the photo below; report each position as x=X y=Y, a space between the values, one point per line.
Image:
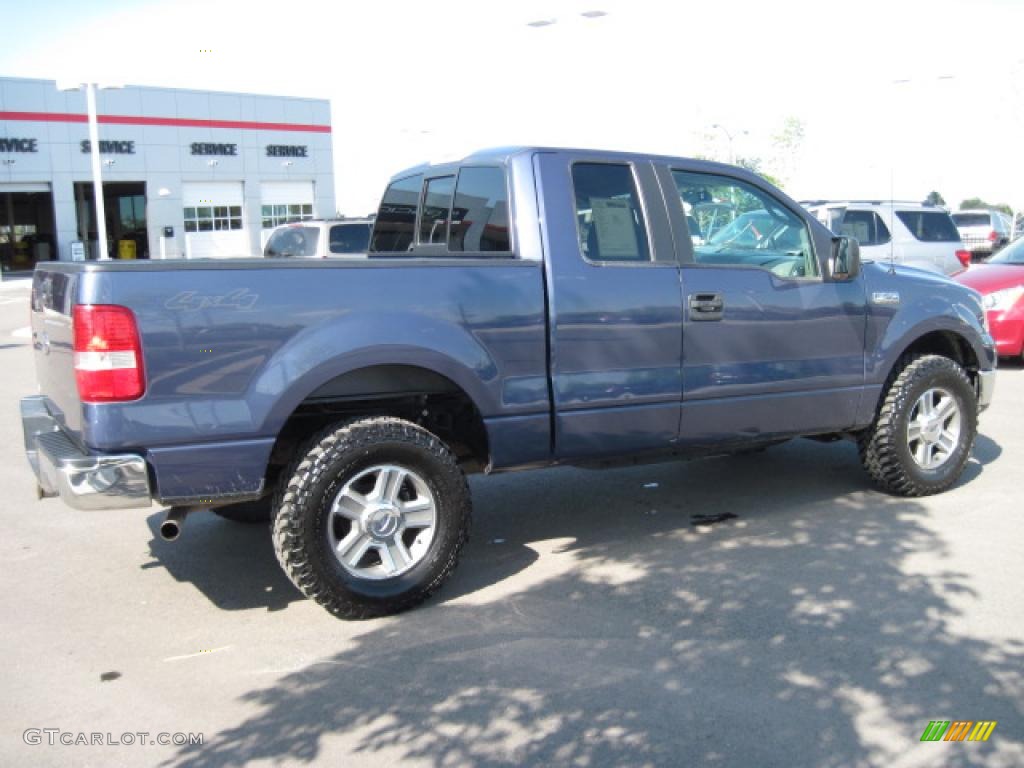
x=924 y=430
x=373 y=518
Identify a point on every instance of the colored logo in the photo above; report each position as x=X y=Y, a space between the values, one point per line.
x=958 y=730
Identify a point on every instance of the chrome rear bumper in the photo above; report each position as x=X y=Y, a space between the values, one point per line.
x=83 y=480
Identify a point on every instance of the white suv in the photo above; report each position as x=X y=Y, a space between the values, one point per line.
x=320 y=239
x=913 y=234
x=983 y=232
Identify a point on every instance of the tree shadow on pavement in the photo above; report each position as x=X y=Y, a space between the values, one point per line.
x=791 y=634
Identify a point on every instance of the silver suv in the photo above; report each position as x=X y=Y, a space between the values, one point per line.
x=320 y=239
x=983 y=232
x=913 y=234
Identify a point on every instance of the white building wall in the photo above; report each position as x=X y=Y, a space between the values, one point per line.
x=163 y=159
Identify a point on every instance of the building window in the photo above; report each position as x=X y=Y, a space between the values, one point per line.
x=275 y=215
x=213 y=218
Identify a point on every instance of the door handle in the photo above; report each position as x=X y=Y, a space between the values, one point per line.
x=706 y=306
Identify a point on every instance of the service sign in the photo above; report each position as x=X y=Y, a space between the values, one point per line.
x=19 y=145
x=109 y=147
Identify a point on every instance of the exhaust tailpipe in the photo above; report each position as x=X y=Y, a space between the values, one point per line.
x=170 y=528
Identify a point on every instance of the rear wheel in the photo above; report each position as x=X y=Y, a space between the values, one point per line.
x=924 y=430
x=373 y=518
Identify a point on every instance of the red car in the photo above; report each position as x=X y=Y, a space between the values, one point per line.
x=1001 y=282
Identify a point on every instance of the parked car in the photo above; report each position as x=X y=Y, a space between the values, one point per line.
x=518 y=308
x=914 y=234
x=320 y=239
x=1000 y=280
x=983 y=232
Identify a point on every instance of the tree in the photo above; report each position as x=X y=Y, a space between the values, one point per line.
x=755 y=165
x=934 y=198
x=786 y=144
x=977 y=204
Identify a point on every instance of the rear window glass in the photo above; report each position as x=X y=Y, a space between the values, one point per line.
x=930 y=226
x=396 y=218
x=437 y=202
x=608 y=215
x=866 y=226
x=292 y=242
x=349 y=238
x=479 y=220
x=971 y=219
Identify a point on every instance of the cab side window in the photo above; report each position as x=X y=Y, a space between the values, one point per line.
x=733 y=224
x=609 y=219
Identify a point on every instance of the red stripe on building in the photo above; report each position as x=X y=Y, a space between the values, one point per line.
x=177 y=122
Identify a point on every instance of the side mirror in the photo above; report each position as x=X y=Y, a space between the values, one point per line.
x=845 y=261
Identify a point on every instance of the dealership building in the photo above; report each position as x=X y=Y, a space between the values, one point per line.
x=185 y=173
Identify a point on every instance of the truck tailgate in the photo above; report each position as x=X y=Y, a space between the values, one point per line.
x=52 y=342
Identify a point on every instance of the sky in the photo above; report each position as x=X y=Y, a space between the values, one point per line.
x=895 y=98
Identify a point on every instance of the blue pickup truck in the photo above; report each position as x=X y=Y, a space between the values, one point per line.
x=518 y=308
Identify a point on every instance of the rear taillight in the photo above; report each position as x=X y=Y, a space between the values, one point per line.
x=993 y=236
x=965 y=257
x=108 y=355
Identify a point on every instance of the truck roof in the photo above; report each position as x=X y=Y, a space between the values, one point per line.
x=503 y=155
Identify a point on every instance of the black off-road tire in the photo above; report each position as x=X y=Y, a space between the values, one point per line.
x=884 y=448
x=248 y=512
x=332 y=459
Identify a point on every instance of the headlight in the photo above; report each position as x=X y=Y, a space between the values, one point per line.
x=1000 y=301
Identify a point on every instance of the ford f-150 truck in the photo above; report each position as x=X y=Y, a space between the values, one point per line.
x=518 y=308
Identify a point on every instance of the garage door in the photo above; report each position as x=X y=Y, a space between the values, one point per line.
x=214 y=220
x=284 y=201
x=23 y=187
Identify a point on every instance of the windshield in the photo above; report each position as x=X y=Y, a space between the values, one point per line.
x=971 y=219
x=1011 y=254
x=292 y=241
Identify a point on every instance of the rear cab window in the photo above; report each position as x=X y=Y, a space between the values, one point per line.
x=465 y=212
x=930 y=226
x=435 y=214
x=479 y=219
x=396 y=218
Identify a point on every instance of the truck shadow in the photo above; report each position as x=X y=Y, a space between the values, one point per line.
x=232 y=564
x=638 y=634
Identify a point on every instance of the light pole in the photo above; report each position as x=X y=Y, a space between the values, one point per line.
x=94 y=146
x=729 y=135
x=97 y=178
x=903 y=144
x=547 y=22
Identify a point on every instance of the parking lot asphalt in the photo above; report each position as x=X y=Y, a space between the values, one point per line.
x=763 y=610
